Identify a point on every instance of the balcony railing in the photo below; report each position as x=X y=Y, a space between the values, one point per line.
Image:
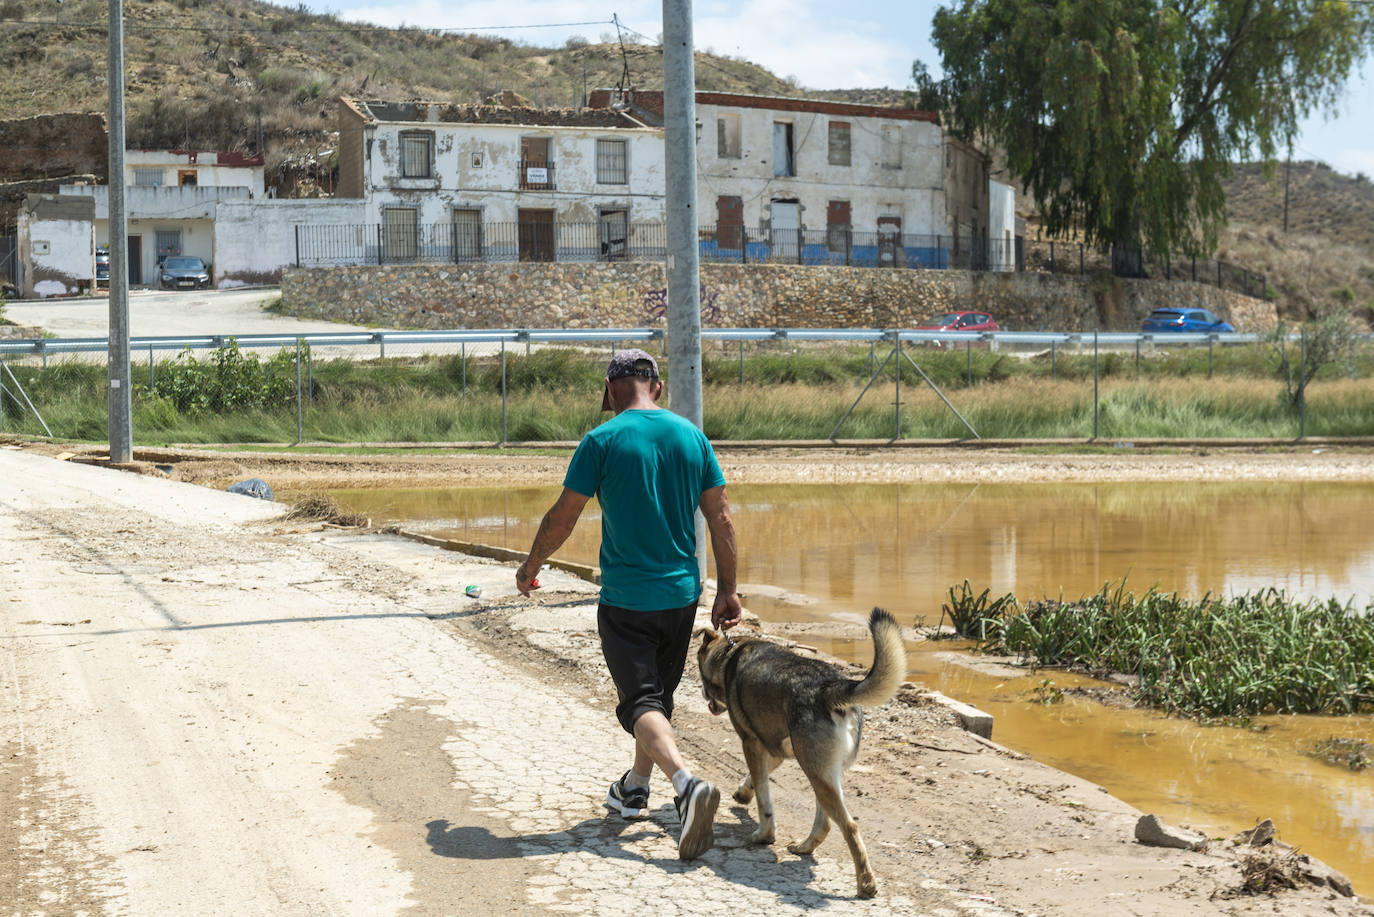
x=536 y=175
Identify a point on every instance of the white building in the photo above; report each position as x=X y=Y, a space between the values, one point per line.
x=495 y=183
x=169 y=199
x=56 y=245
x=815 y=181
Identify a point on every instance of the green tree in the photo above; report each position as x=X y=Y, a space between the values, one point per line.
x=926 y=92
x=1122 y=116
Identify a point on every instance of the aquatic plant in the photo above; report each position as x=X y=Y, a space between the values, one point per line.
x=1353 y=754
x=1250 y=654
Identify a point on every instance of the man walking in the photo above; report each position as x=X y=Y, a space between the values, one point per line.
x=650 y=470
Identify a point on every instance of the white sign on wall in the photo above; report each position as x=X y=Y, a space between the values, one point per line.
x=537 y=176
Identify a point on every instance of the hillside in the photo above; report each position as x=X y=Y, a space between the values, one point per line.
x=222 y=74
x=202 y=74
x=1326 y=258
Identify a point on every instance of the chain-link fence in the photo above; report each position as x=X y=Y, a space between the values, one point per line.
x=516 y=386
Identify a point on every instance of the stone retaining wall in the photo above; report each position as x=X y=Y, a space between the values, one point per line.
x=632 y=295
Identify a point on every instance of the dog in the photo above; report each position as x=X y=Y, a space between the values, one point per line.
x=788 y=706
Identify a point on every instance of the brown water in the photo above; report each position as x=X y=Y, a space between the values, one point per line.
x=839 y=550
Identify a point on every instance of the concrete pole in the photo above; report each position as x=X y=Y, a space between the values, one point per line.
x=120 y=374
x=684 y=271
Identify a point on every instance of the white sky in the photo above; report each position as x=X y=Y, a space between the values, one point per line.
x=825 y=45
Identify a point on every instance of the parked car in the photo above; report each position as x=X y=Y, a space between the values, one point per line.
x=102 y=266
x=958 y=321
x=181 y=272
x=1184 y=320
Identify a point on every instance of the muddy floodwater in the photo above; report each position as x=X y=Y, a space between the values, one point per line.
x=827 y=553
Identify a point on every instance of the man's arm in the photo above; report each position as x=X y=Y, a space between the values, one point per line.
x=554 y=529
x=726 y=611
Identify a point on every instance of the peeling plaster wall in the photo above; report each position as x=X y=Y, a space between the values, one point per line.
x=915 y=192
x=478 y=166
x=254 y=240
x=63 y=227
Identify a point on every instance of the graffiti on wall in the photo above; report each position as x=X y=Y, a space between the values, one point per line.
x=656 y=305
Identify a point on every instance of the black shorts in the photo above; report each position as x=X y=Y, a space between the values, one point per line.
x=646 y=652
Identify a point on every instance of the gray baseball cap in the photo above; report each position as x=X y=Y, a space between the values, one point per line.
x=628 y=363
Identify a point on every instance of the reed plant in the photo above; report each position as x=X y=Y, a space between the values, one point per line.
x=553 y=394
x=1212 y=657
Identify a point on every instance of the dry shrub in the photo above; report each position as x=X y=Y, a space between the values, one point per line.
x=1266 y=872
x=323 y=508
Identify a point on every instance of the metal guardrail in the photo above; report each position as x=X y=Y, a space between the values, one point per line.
x=54 y=346
x=891 y=340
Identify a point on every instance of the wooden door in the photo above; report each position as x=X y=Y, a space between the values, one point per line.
x=729 y=222
x=135 y=260
x=837 y=226
x=536 y=235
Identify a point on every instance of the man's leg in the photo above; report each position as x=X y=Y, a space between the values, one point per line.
x=655 y=743
x=646 y=653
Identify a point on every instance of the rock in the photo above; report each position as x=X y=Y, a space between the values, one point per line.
x=253 y=487
x=1152 y=832
x=1319 y=874
x=1258 y=836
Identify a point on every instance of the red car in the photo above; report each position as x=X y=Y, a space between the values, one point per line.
x=958 y=321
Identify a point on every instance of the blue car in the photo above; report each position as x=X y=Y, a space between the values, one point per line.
x=1184 y=320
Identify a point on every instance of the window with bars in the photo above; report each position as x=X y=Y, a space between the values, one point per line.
x=612 y=167
x=416 y=154
x=147 y=178
x=168 y=243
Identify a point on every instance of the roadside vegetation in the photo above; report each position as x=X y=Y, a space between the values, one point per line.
x=1212 y=658
x=553 y=394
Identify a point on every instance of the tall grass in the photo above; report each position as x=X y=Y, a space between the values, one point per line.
x=554 y=393
x=1251 y=654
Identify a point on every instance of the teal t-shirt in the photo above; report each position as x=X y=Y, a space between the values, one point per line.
x=648 y=469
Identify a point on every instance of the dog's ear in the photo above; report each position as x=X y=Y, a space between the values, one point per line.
x=706 y=633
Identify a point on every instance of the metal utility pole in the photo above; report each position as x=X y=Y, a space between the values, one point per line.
x=684 y=271
x=120 y=404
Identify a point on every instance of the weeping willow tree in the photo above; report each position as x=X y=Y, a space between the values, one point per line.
x=1121 y=117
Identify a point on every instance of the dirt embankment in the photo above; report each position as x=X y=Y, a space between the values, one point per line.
x=302 y=468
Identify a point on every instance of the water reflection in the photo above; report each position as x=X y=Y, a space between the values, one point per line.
x=851 y=547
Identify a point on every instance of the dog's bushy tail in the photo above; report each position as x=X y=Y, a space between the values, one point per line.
x=887 y=674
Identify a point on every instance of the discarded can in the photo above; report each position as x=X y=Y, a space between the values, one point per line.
x=474 y=591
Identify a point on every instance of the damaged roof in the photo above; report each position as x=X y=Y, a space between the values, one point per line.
x=418 y=112
x=649 y=104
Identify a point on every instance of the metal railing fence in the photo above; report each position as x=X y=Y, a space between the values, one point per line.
x=614 y=239
x=489 y=365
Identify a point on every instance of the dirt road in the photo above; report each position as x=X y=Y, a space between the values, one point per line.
x=206 y=708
